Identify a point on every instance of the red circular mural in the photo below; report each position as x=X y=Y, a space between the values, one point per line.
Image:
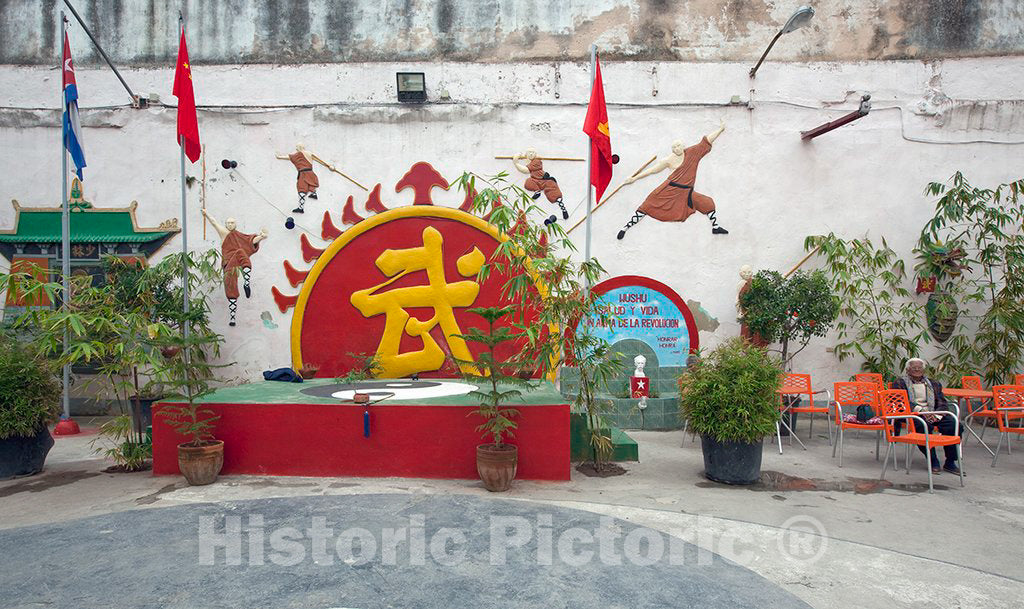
x=398 y=285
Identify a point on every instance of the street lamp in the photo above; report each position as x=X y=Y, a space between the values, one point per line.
x=797 y=20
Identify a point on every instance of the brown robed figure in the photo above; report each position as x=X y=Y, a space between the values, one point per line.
x=306 y=181
x=676 y=199
x=540 y=181
x=235 y=251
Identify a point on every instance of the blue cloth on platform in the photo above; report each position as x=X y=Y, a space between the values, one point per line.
x=286 y=375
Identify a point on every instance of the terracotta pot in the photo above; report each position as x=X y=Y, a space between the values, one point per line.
x=308 y=371
x=496 y=464
x=201 y=464
x=169 y=352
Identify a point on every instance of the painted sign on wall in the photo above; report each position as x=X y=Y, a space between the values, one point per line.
x=647 y=310
x=398 y=285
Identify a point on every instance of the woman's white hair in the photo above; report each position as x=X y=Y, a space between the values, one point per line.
x=906 y=367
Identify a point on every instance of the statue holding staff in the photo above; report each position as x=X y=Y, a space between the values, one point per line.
x=676 y=199
x=306 y=181
x=540 y=182
x=235 y=251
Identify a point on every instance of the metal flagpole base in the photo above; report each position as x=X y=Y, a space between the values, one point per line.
x=66 y=427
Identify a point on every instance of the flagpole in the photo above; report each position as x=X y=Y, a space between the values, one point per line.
x=184 y=230
x=590 y=164
x=65 y=228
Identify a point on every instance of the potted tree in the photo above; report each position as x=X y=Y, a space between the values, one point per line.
x=789 y=311
x=729 y=398
x=29 y=400
x=549 y=295
x=110 y=325
x=495 y=461
x=187 y=373
x=187 y=376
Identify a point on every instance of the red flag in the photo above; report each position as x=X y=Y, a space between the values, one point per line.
x=188 y=122
x=596 y=126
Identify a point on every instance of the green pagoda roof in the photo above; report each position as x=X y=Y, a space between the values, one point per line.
x=110 y=225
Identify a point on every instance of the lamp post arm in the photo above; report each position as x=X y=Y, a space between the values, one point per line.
x=753 y=70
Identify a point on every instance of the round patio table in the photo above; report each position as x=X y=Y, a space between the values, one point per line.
x=784 y=414
x=971 y=394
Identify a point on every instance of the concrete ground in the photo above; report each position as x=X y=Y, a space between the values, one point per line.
x=810 y=532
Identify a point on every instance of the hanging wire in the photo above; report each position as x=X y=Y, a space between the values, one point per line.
x=275 y=207
x=271 y=108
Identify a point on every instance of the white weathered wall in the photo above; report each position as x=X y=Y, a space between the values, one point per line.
x=140 y=32
x=772 y=189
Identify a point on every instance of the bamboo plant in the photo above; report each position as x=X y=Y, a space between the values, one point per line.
x=116 y=325
x=879 y=322
x=975 y=243
x=550 y=295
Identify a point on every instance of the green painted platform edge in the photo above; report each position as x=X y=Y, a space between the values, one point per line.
x=624 y=448
x=276 y=392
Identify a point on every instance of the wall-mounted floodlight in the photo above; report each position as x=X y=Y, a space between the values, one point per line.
x=412 y=87
x=797 y=20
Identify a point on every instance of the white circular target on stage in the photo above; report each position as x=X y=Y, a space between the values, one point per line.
x=402 y=389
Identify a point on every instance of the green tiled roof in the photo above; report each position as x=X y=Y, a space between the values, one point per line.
x=86 y=227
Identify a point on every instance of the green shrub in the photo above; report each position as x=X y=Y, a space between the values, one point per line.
x=730 y=395
x=118 y=440
x=29 y=391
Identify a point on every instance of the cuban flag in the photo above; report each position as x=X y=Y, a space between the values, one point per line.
x=72 y=130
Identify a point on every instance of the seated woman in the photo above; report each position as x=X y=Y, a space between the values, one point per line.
x=926 y=395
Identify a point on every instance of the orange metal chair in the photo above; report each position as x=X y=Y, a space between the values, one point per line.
x=895 y=406
x=848 y=396
x=870 y=377
x=800 y=384
x=1009 y=406
x=1018 y=379
x=970 y=382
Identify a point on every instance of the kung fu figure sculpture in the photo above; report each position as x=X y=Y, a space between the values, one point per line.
x=675 y=199
x=540 y=181
x=306 y=181
x=235 y=251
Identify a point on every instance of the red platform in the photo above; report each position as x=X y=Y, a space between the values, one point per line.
x=272 y=429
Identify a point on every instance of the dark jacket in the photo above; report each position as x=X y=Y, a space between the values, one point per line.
x=940 y=398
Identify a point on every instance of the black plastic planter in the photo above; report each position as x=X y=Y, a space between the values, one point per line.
x=731 y=462
x=142 y=418
x=23 y=456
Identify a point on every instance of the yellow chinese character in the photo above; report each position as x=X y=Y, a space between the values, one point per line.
x=438 y=294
